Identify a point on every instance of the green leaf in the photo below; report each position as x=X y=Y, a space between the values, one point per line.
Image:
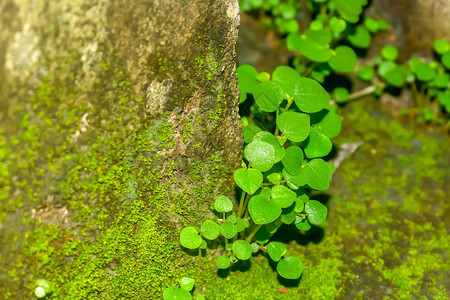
x=423 y=71
x=268 y=96
x=187 y=283
x=317 y=174
x=322 y=37
x=385 y=67
x=249 y=132
x=441 y=80
x=262 y=210
x=223 y=262
x=282 y=196
x=294 y=182
x=274 y=178
x=287 y=10
x=249 y=180
x=288 y=214
x=310 y=96
x=223 y=204
x=295 y=126
x=269 y=138
x=359 y=37
x=397 y=76
x=327 y=122
x=242 y=249
x=389 y=53
x=299 y=204
x=365 y=73
x=372 y=25
x=242 y=224
x=446 y=60
x=337 y=25
x=286 y=77
x=175 y=293
x=293 y=159
x=189 y=238
x=246 y=80
x=290 y=268
x=340 y=94
x=210 y=230
x=316 y=211
x=344 y=59
x=349 y=9
x=302 y=224
x=232 y=218
x=43 y=284
x=317 y=144
x=263 y=77
x=228 y=229
x=261 y=155
x=199 y=297
x=383 y=24
x=287 y=26
x=309 y=48
x=444 y=99
x=276 y=250
x=262 y=236
x=441 y=46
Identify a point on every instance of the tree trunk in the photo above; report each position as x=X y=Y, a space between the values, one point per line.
x=119 y=126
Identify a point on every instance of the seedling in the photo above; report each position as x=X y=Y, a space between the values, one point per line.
x=280 y=168
x=184 y=292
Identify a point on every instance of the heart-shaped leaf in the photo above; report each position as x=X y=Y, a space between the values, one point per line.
x=228 y=229
x=223 y=204
x=242 y=249
x=295 y=126
x=293 y=159
x=343 y=60
x=223 y=262
x=210 y=230
x=268 y=95
x=242 y=224
x=282 y=196
x=317 y=144
x=276 y=250
x=359 y=37
x=262 y=210
x=310 y=48
x=189 y=238
x=285 y=77
x=327 y=122
x=302 y=224
x=290 y=268
x=275 y=178
x=269 y=138
x=316 y=211
x=187 y=283
x=349 y=9
x=261 y=155
x=176 y=293
x=249 y=180
x=337 y=25
x=317 y=174
x=310 y=96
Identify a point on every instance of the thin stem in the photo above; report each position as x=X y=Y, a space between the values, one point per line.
x=364 y=92
x=277 y=129
x=255 y=230
x=416 y=96
x=241 y=204
x=247 y=198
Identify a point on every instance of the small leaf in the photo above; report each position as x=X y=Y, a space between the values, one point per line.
x=359 y=37
x=249 y=180
x=187 y=283
x=276 y=250
x=365 y=73
x=274 y=178
x=242 y=249
x=302 y=224
x=317 y=144
x=189 y=238
x=288 y=214
x=223 y=204
x=423 y=70
x=282 y=196
x=389 y=53
x=294 y=182
x=311 y=49
x=261 y=155
x=286 y=77
x=175 y=293
x=293 y=159
x=269 y=138
x=262 y=210
x=344 y=59
x=232 y=218
x=255 y=247
x=249 y=132
x=349 y=9
x=290 y=268
x=295 y=126
x=299 y=205
x=268 y=96
x=228 y=229
x=223 y=262
x=441 y=46
x=263 y=77
x=317 y=174
x=316 y=211
x=337 y=25
x=446 y=60
x=383 y=24
x=210 y=230
x=327 y=122
x=397 y=76
x=246 y=80
x=340 y=94
x=372 y=25
x=262 y=236
x=310 y=96
x=241 y=224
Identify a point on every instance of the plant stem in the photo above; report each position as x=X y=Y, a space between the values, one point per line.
x=364 y=92
x=277 y=129
x=241 y=204
x=255 y=230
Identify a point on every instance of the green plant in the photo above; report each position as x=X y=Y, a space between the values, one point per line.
x=42 y=288
x=280 y=169
x=183 y=292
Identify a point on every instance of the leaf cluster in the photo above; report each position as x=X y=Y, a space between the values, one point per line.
x=184 y=292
